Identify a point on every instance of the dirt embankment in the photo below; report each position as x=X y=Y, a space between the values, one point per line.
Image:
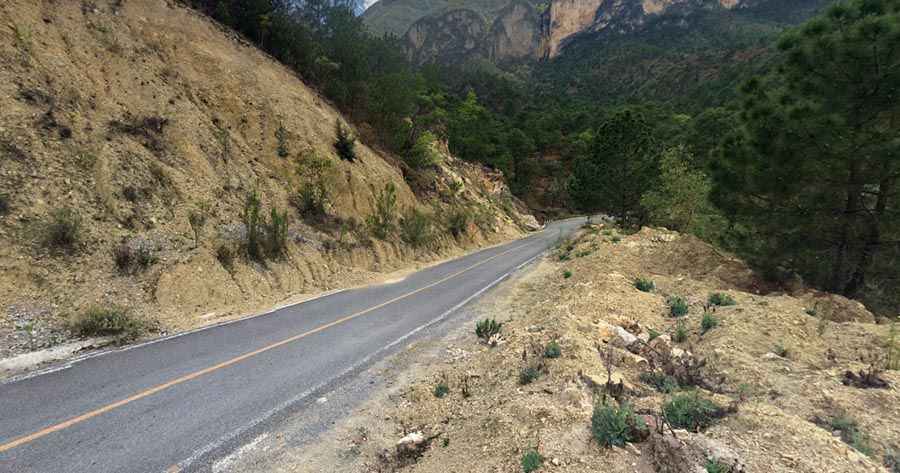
x=129 y=117
x=776 y=364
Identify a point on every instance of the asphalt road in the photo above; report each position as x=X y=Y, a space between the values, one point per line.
x=180 y=403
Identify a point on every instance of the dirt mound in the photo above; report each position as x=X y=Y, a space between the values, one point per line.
x=136 y=115
x=775 y=371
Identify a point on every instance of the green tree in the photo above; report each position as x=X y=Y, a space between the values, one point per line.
x=682 y=193
x=619 y=166
x=814 y=170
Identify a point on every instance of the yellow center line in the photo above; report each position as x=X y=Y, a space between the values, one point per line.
x=162 y=387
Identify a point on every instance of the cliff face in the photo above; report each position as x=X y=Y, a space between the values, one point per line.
x=510 y=30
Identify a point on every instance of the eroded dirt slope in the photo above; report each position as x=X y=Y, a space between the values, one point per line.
x=135 y=114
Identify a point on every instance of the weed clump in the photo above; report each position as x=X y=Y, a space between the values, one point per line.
x=441 y=390
x=660 y=381
x=529 y=374
x=567 y=274
x=850 y=433
x=416 y=228
x=721 y=299
x=62 y=229
x=614 y=426
x=458 y=222
x=531 y=461
x=552 y=350
x=681 y=333
x=383 y=222
x=678 y=306
x=691 y=411
x=644 y=285
x=108 y=321
x=487 y=329
x=708 y=323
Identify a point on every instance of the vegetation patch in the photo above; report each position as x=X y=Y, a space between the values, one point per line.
x=644 y=285
x=62 y=229
x=659 y=381
x=691 y=411
x=344 y=142
x=849 y=431
x=721 y=299
x=678 y=306
x=383 y=222
x=532 y=461
x=441 y=389
x=487 y=329
x=708 y=323
x=552 y=350
x=108 y=321
x=416 y=228
x=613 y=426
x=681 y=332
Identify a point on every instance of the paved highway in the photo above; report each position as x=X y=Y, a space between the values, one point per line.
x=179 y=403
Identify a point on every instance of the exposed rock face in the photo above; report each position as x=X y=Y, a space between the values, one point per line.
x=457 y=35
x=505 y=30
x=566 y=18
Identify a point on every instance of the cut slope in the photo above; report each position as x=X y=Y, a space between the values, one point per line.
x=136 y=114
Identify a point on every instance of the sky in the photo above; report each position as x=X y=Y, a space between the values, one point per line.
x=370 y=2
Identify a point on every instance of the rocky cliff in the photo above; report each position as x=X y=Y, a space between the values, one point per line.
x=505 y=30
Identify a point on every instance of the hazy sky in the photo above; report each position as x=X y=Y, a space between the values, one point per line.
x=370 y=2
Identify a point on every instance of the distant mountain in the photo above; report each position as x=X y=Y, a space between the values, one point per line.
x=601 y=49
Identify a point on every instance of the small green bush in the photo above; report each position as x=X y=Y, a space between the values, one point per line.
x=678 y=306
x=850 y=433
x=653 y=334
x=108 y=321
x=416 y=228
x=681 y=333
x=567 y=274
x=276 y=230
x=62 y=229
x=708 y=323
x=691 y=411
x=616 y=239
x=282 y=139
x=531 y=461
x=721 y=299
x=487 y=328
x=529 y=374
x=552 y=350
x=458 y=222
x=644 y=285
x=713 y=466
x=344 y=142
x=614 y=426
x=384 y=221
x=441 y=390
x=253 y=223
x=660 y=381
x=423 y=154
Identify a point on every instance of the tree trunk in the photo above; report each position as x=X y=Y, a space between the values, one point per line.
x=847 y=220
x=873 y=238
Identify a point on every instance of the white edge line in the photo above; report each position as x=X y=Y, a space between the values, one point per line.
x=197 y=454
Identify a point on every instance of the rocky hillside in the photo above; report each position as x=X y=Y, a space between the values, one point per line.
x=133 y=139
x=652 y=353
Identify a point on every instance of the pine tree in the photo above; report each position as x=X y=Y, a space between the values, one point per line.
x=814 y=171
